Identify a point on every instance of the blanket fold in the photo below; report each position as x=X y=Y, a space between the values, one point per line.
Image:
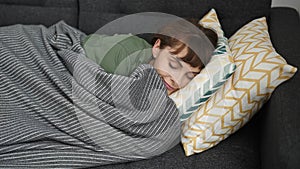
x=58 y=109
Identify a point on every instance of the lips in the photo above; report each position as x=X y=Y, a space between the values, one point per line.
x=169 y=87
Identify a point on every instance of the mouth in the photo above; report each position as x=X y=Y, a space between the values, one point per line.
x=169 y=87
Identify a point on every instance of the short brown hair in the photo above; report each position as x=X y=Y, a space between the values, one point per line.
x=181 y=30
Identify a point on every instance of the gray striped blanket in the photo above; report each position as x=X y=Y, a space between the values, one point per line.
x=59 y=109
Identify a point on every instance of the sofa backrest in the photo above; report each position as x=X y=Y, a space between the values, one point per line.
x=46 y=12
x=233 y=14
x=90 y=15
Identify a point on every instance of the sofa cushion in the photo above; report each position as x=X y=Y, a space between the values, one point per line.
x=46 y=13
x=233 y=13
x=239 y=151
x=23 y=2
x=57 y=3
x=62 y=3
x=280 y=127
x=94 y=14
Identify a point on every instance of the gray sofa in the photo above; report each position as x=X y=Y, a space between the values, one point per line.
x=270 y=140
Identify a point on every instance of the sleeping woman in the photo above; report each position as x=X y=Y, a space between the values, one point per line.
x=173 y=59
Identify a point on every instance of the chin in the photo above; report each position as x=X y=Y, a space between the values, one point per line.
x=170 y=92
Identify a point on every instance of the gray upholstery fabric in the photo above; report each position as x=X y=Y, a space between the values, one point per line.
x=269 y=141
x=46 y=12
x=280 y=145
x=65 y=3
x=23 y=2
x=239 y=151
x=94 y=13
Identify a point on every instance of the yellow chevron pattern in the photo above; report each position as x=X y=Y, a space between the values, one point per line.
x=259 y=71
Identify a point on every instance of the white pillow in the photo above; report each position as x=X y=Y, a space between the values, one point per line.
x=211 y=78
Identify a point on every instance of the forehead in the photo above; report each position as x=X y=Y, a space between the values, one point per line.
x=180 y=51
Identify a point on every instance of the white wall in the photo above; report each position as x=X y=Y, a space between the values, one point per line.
x=289 y=3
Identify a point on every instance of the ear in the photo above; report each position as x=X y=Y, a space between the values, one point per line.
x=155 y=48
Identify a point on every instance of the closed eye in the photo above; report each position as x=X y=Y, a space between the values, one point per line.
x=191 y=75
x=174 y=64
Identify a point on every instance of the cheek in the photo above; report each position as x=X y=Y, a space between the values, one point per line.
x=161 y=64
x=185 y=82
x=162 y=71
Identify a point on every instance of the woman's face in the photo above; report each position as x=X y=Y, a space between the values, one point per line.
x=174 y=72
